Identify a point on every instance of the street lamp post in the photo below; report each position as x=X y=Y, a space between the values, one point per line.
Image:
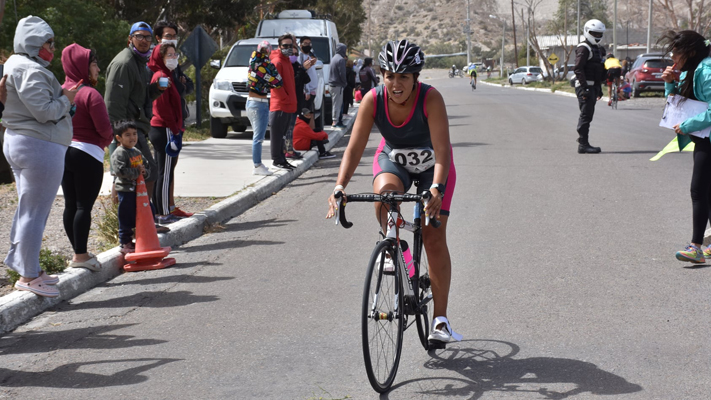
x=503 y=43
x=469 y=37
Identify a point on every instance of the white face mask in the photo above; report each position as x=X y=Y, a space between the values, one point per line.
x=171 y=63
x=173 y=42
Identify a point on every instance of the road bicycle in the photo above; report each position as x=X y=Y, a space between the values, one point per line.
x=393 y=298
x=615 y=95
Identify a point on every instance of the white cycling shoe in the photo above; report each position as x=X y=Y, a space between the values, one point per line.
x=388 y=265
x=439 y=337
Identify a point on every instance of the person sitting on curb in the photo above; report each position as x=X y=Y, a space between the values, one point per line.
x=128 y=164
x=305 y=138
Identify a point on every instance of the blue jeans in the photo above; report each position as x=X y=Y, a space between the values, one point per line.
x=126 y=216
x=258 y=114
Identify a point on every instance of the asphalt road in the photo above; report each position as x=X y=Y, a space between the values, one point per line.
x=565 y=283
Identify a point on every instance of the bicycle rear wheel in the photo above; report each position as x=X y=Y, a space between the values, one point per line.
x=424 y=314
x=382 y=319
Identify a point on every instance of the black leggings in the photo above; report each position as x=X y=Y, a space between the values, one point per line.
x=81 y=184
x=701 y=187
x=159 y=137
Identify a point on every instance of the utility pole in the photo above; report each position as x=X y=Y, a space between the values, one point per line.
x=614 y=32
x=649 y=29
x=469 y=37
x=503 y=42
x=579 y=21
x=513 y=23
x=528 y=37
x=370 y=9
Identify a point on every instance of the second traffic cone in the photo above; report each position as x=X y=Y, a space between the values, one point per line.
x=149 y=254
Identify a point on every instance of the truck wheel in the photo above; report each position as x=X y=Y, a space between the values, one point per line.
x=218 y=130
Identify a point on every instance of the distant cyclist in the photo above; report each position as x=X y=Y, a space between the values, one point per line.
x=614 y=72
x=454 y=70
x=472 y=76
x=412 y=118
x=488 y=72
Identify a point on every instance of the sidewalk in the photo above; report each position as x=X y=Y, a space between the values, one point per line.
x=213 y=167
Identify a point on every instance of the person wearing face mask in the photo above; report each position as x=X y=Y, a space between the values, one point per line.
x=129 y=93
x=282 y=107
x=301 y=78
x=38 y=131
x=166 y=32
x=166 y=127
x=307 y=59
x=84 y=162
x=262 y=76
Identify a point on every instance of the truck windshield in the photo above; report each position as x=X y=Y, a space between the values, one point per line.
x=239 y=56
x=299 y=27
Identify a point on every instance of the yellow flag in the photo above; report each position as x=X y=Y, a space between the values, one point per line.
x=672 y=147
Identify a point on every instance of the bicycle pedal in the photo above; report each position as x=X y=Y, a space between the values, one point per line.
x=437 y=345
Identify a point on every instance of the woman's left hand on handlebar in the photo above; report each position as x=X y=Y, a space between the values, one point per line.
x=434 y=205
x=333 y=204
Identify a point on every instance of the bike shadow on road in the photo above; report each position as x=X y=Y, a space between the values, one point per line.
x=488 y=366
x=69 y=376
x=92 y=337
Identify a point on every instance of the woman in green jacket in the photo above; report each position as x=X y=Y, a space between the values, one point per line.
x=690 y=53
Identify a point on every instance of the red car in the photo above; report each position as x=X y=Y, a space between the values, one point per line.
x=646 y=73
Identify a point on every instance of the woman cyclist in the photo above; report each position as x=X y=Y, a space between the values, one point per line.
x=411 y=116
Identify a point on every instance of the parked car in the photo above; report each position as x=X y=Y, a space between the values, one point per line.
x=559 y=72
x=324 y=39
x=525 y=75
x=646 y=73
x=229 y=92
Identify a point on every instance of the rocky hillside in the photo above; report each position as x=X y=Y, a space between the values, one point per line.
x=430 y=23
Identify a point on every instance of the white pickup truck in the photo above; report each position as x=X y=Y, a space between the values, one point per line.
x=229 y=92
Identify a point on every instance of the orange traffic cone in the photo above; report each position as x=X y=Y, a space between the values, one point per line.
x=149 y=254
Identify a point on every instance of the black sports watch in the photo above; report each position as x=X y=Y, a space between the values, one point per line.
x=440 y=188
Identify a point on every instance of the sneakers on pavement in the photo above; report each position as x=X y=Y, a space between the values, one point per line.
x=39 y=287
x=325 y=155
x=294 y=155
x=127 y=248
x=691 y=254
x=91 y=264
x=707 y=252
x=261 y=169
x=283 y=165
x=181 y=214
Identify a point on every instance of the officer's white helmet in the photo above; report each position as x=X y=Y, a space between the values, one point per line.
x=593 y=31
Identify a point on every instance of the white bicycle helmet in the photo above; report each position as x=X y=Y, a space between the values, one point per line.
x=401 y=57
x=593 y=31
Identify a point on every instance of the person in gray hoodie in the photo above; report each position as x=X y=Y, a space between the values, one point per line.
x=337 y=81
x=39 y=131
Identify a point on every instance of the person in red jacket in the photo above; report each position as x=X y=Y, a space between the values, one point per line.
x=305 y=138
x=166 y=127
x=84 y=160
x=282 y=107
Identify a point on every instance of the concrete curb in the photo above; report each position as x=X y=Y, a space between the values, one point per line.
x=557 y=92
x=19 y=307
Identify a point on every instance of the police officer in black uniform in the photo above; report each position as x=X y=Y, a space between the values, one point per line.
x=589 y=73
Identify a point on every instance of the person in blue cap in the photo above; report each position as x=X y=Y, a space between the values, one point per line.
x=129 y=94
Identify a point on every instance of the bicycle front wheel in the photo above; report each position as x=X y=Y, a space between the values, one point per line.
x=382 y=319
x=424 y=297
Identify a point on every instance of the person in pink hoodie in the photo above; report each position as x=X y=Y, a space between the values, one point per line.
x=166 y=127
x=84 y=160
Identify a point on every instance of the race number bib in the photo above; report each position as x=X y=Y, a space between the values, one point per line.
x=413 y=160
